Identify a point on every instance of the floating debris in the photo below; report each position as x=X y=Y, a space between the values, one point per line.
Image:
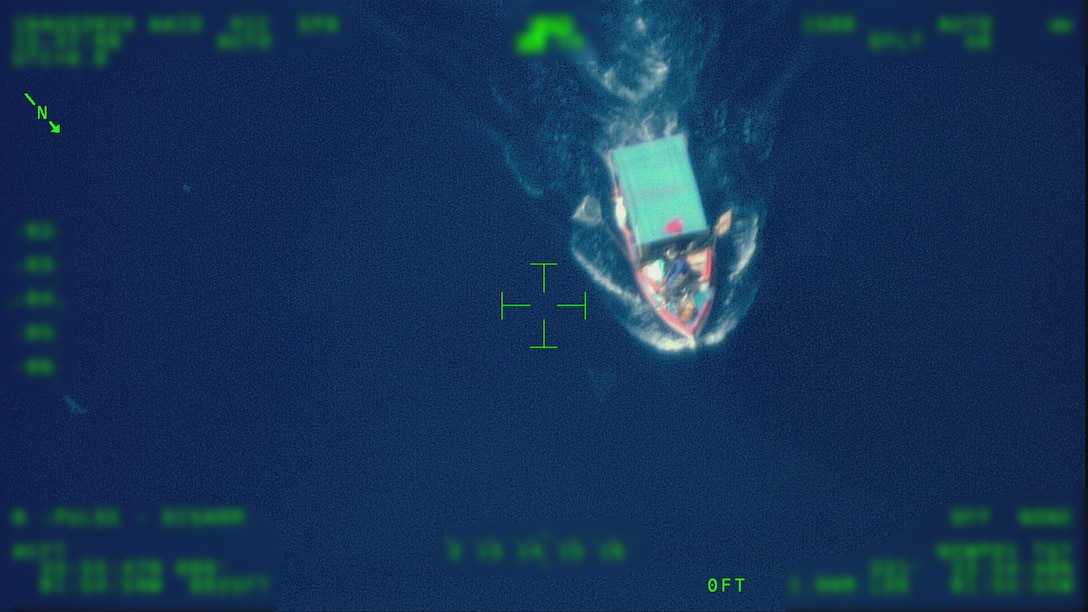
x=74 y=406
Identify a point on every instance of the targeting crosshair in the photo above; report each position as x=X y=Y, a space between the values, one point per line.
x=543 y=321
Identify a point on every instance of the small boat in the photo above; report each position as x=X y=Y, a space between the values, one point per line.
x=668 y=242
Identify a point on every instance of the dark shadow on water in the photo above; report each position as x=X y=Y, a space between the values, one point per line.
x=602 y=383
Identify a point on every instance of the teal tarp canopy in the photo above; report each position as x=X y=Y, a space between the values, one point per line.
x=659 y=190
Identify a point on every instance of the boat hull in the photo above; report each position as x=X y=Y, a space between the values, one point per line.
x=669 y=244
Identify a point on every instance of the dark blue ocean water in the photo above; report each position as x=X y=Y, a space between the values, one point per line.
x=284 y=293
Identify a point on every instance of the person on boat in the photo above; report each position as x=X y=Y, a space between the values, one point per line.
x=687 y=310
x=676 y=270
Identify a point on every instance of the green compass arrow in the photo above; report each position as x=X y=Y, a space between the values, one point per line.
x=42 y=112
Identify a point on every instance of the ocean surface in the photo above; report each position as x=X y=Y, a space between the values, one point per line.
x=282 y=280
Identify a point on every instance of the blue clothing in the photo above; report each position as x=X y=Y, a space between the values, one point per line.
x=676 y=271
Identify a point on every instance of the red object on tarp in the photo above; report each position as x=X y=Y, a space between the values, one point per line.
x=675 y=226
